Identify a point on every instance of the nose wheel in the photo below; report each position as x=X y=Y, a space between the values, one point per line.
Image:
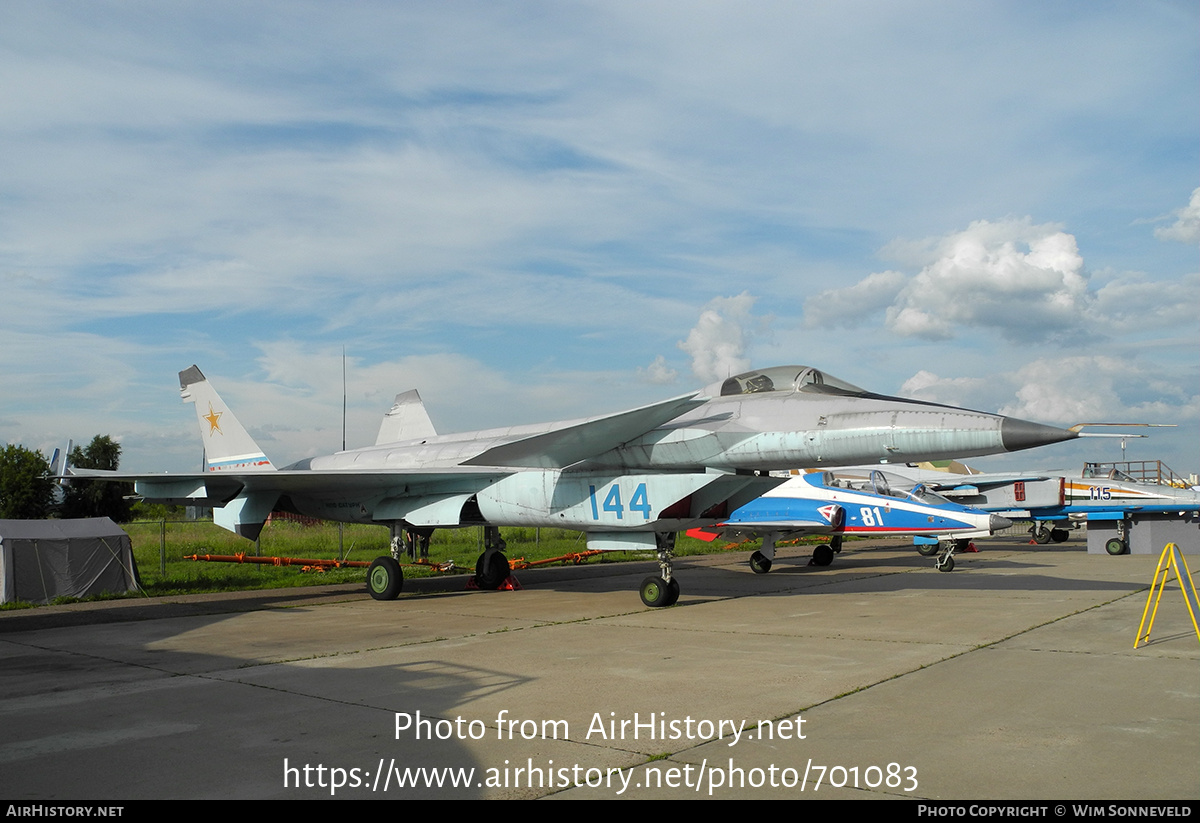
x=658 y=592
x=664 y=589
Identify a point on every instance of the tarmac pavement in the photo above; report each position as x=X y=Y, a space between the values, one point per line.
x=1012 y=677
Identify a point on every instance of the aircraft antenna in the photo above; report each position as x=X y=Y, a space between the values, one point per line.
x=343 y=397
x=341 y=525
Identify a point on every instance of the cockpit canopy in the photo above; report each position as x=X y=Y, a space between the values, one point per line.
x=1101 y=471
x=888 y=485
x=787 y=379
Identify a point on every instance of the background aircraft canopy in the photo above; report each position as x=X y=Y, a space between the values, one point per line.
x=1095 y=471
x=787 y=379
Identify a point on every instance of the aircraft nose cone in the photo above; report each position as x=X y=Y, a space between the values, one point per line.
x=1018 y=434
x=997 y=523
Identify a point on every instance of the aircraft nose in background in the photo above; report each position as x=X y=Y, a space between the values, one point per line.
x=1018 y=434
x=997 y=523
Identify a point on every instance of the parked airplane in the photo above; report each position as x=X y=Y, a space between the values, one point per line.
x=631 y=480
x=825 y=503
x=1052 y=499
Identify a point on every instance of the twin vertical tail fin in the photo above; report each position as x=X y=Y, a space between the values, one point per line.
x=405 y=420
x=227 y=445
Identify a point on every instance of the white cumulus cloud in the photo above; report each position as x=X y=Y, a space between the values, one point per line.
x=1186 y=228
x=844 y=307
x=1025 y=280
x=717 y=344
x=1099 y=388
x=658 y=372
x=1069 y=390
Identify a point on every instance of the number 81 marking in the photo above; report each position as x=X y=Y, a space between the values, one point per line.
x=871 y=516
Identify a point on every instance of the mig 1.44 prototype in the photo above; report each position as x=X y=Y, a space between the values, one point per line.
x=630 y=480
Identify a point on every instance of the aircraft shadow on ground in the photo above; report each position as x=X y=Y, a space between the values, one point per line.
x=144 y=721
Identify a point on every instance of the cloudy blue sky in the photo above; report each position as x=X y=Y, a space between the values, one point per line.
x=541 y=210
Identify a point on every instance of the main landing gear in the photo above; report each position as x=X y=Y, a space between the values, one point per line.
x=1043 y=534
x=823 y=553
x=762 y=560
x=492 y=569
x=385 y=578
x=664 y=589
x=1120 y=543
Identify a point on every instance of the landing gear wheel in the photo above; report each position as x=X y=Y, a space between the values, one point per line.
x=1115 y=546
x=672 y=592
x=1059 y=535
x=945 y=565
x=657 y=592
x=927 y=549
x=1041 y=535
x=385 y=579
x=822 y=555
x=760 y=563
x=491 y=570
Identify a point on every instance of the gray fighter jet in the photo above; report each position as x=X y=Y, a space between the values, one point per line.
x=631 y=480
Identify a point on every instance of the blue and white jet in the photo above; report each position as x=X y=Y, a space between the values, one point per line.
x=882 y=504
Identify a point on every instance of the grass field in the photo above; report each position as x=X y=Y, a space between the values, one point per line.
x=161 y=547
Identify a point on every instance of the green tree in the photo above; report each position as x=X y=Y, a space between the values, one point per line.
x=26 y=490
x=97 y=498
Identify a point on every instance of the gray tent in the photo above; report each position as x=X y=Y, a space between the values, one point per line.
x=44 y=559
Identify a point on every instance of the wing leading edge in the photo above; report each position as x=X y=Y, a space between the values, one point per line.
x=575 y=443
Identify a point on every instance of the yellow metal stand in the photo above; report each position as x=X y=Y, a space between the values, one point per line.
x=1170 y=559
